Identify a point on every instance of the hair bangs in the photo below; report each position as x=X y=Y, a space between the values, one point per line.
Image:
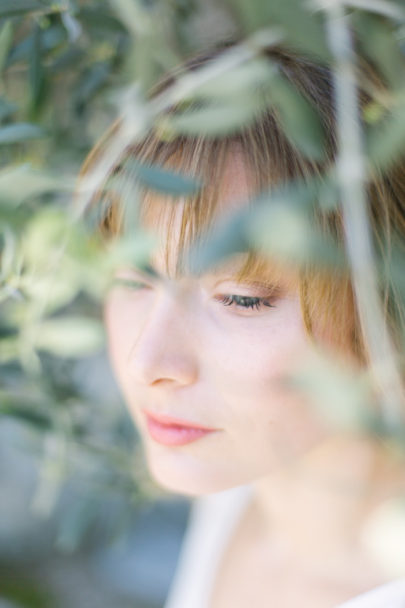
x=270 y=159
x=205 y=160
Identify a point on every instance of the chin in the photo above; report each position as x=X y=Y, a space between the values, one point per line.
x=188 y=480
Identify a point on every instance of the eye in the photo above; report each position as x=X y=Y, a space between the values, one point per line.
x=245 y=302
x=128 y=283
x=135 y=279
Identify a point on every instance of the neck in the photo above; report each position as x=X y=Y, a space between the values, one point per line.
x=315 y=511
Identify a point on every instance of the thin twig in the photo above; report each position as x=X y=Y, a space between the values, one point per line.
x=138 y=115
x=352 y=174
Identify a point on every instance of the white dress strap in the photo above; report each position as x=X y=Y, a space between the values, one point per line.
x=390 y=595
x=212 y=519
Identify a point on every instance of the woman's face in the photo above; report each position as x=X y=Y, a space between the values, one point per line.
x=193 y=350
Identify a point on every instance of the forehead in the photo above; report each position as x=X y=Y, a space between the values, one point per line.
x=231 y=190
x=177 y=222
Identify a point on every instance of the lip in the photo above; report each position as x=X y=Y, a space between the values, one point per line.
x=172 y=421
x=174 y=431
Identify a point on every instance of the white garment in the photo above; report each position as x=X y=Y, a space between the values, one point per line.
x=212 y=521
x=391 y=595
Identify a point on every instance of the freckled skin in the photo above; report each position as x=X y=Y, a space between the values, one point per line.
x=184 y=353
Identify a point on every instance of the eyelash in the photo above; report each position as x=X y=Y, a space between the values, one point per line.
x=244 y=302
x=129 y=283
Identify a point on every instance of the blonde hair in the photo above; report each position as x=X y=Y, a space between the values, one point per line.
x=326 y=296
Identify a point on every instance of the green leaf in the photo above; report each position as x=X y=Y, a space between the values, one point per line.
x=377 y=39
x=93 y=18
x=90 y=82
x=279 y=225
x=341 y=397
x=213 y=120
x=298 y=117
x=51 y=37
x=386 y=140
x=7 y=108
x=302 y=25
x=12 y=217
x=36 y=72
x=286 y=232
x=53 y=290
x=9 y=8
x=31 y=416
x=245 y=79
x=228 y=238
x=9 y=350
x=22 y=182
x=388 y=8
x=20 y=51
x=141 y=64
x=20 y=132
x=74 y=525
x=163 y=180
x=299 y=23
x=47 y=232
x=70 y=336
x=69 y=58
x=6 y=38
x=135 y=249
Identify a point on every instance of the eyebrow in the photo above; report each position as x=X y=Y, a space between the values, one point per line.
x=227 y=267
x=150 y=271
x=227 y=271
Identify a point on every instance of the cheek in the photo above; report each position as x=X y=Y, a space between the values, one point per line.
x=118 y=323
x=121 y=333
x=249 y=369
x=258 y=354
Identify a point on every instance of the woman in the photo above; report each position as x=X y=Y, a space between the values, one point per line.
x=202 y=360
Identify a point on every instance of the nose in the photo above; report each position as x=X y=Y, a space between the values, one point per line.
x=164 y=351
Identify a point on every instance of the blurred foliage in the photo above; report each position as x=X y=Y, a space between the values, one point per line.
x=62 y=68
x=24 y=593
x=68 y=68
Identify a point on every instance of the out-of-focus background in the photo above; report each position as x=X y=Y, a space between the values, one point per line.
x=81 y=523
x=77 y=528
